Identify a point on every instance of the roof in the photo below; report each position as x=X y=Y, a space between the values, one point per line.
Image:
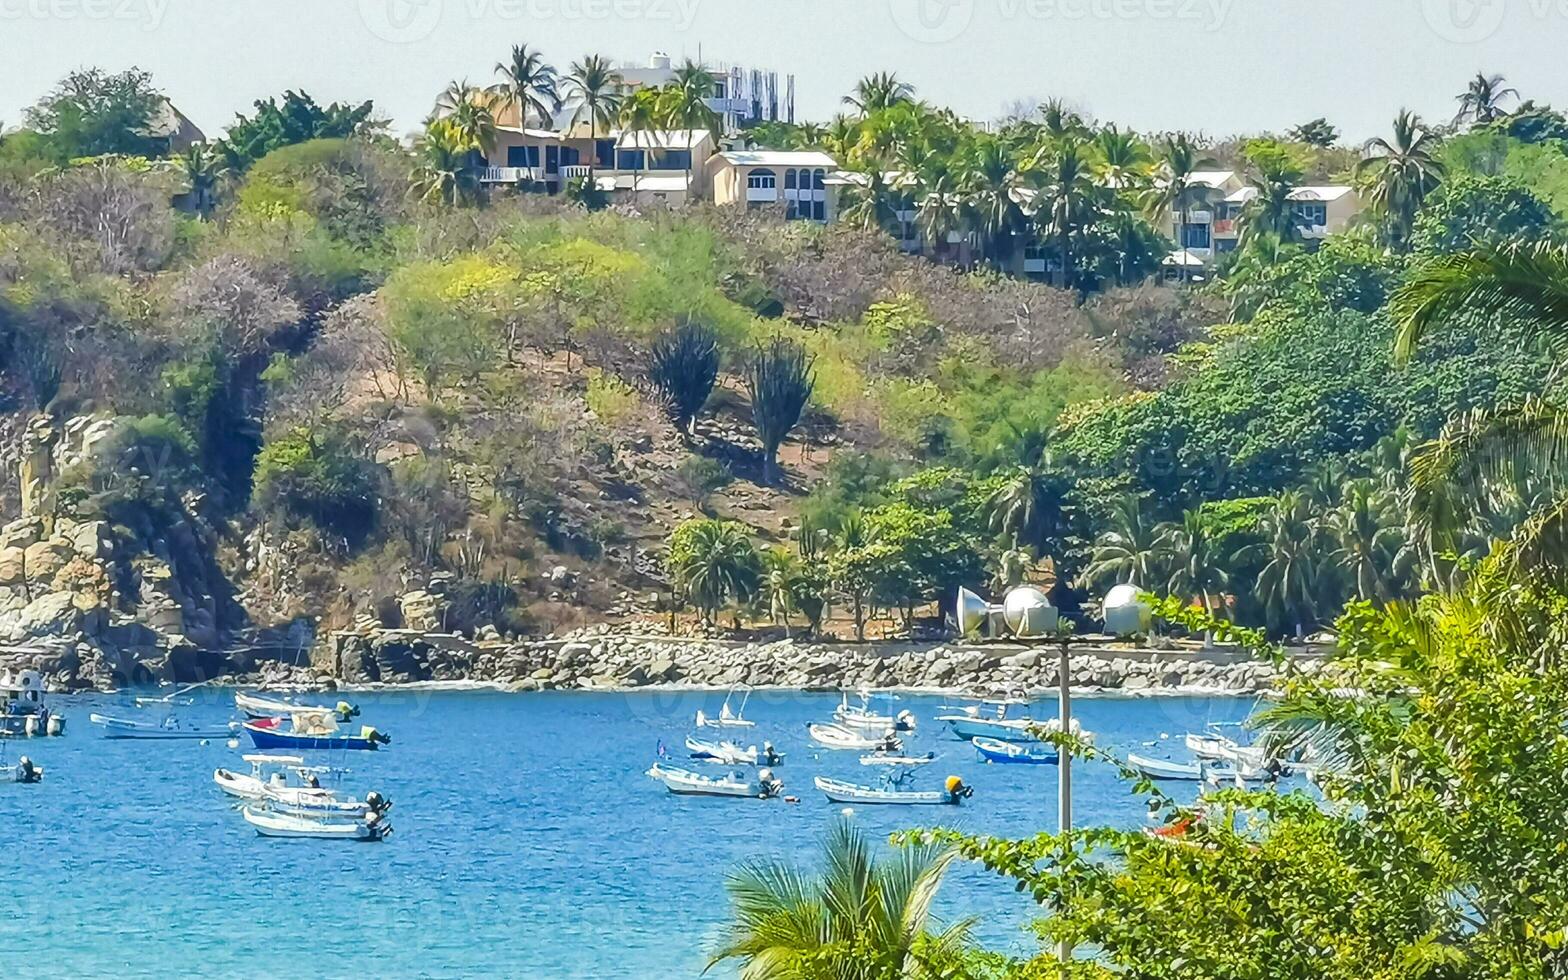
x=546 y=134
x=662 y=139
x=778 y=158
x=1328 y=192
x=1183 y=257
x=1216 y=179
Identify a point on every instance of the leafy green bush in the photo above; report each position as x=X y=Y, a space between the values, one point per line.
x=318 y=478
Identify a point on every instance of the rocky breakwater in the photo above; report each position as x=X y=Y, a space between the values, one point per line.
x=599 y=659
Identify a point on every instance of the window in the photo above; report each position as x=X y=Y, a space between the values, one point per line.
x=671 y=160
x=1223 y=245
x=630 y=160
x=817 y=178
x=789 y=179
x=1312 y=213
x=819 y=210
x=603 y=152
x=522 y=156
x=1195 y=236
x=761 y=180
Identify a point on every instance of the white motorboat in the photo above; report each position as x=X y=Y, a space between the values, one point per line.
x=974 y=721
x=171 y=727
x=839 y=737
x=1216 y=745
x=726 y=753
x=255 y=706
x=22 y=709
x=952 y=793
x=1196 y=772
x=727 y=718
x=684 y=782
x=897 y=759
x=1014 y=753
x=268 y=780
x=862 y=717
x=372 y=826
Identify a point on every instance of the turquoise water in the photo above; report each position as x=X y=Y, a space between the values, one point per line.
x=528 y=841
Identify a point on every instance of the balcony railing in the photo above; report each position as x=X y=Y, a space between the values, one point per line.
x=1199 y=217
x=1225 y=228
x=508 y=175
x=575 y=170
x=766 y=194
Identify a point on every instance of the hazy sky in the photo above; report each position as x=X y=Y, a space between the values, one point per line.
x=1219 y=66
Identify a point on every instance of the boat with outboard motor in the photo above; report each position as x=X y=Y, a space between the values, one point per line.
x=953 y=792
x=1000 y=751
x=307 y=729
x=729 y=754
x=1196 y=772
x=990 y=719
x=367 y=824
x=862 y=717
x=684 y=782
x=269 y=779
x=255 y=706
x=24 y=771
x=839 y=737
x=897 y=759
x=169 y=728
x=22 y=709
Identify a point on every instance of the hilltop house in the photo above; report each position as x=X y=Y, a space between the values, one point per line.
x=1208 y=224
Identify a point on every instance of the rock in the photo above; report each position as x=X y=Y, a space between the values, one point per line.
x=12 y=566
x=56 y=614
x=561 y=575
x=21 y=533
x=45 y=558
x=421 y=610
x=91 y=540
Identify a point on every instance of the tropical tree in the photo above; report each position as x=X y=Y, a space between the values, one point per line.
x=685 y=104
x=1180 y=159
x=989 y=185
x=879 y=91
x=204 y=170
x=597 y=89
x=1271 y=211
x=643 y=112
x=1067 y=188
x=1130 y=550
x=780 y=380
x=470 y=111
x=1197 y=570
x=1031 y=506
x=296 y=119
x=1399 y=173
x=1367 y=540
x=531 y=84
x=1482 y=102
x=442 y=173
x=1318 y=133
x=713 y=562
x=683 y=366
x=1288 y=581
x=861 y=917
x=1121 y=160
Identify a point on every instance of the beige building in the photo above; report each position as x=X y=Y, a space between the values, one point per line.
x=668 y=165
x=799 y=180
x=1210 y=224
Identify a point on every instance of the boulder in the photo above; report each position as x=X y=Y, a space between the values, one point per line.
x=421 y=610
x=22 y=532
x=45 y=558
x=12 y=566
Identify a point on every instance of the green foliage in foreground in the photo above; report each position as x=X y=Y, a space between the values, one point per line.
x=1437 y=851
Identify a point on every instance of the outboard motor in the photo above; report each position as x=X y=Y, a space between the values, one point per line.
x=26 y=772
x=904 y=721
x=379 y=738
x=956 y=790
x=377 y=803
x=767 y=784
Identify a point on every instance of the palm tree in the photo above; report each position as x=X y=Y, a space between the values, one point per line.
x=442 y=173
x=1318 y=133
x=204 y=170
x=1287 y=584
x=1121 y=160
x=882 y=90
x=859 y=918
x=597 y=88
x=1400 y=172
x=1130 y=550
x=1180 y=159
x=531 y=84
x=686 y=106
x=471 y=112
x=713 y=562
x=989 y=185
x=1067 y=187
x=1032 y=506
x=1482 y=102
x=1271 y=211
x=1367 y=542
x=642 y=112
x=1196 y=570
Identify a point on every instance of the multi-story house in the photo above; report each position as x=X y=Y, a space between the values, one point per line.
x=1207 y=223
x=801 y=180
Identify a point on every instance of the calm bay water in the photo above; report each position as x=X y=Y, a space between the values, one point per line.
x=528 y=841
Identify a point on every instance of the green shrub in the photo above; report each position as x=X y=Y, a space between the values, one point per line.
x=316 y=478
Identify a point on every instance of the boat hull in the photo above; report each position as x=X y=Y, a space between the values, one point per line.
x=127 y=728
x=1010 y=753
x=267 y=738
x=841 y=792
x=1160 y=769
x=270 y=824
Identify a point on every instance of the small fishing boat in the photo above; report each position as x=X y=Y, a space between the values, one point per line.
x=1195 y=772
x=684 y=782
x=372 y=826
x=952 y=793
x=897 y=759
x=311 y=729
x=1214 y=744
x=726 y=718
x=839 y=737
x=862 y=717
x=727 y=753
x=973 y=722
x=254 y=706
x=268 y=779
x=169 y=728
x=22 y=709
x=24 y=771
x=997 y=750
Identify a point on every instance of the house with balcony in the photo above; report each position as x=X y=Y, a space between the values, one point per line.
x=1209 y=224
x=667 y=165
x=802 y=181
x=741 y=96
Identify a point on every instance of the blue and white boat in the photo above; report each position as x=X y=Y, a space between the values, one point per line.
x=998 y=750
x=168 y=728
x=307 y=730
x=1196 y=772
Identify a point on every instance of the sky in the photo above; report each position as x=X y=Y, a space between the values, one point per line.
x=1219 y=67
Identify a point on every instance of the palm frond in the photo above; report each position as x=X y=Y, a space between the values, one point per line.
x=1524 y=283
